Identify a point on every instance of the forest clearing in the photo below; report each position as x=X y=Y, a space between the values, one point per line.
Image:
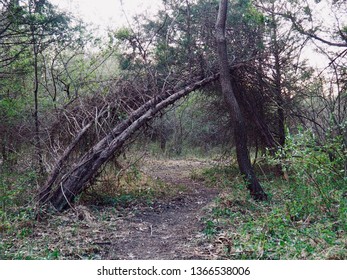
x=210 y=130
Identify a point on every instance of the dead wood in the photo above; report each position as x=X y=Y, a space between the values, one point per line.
x=62 y=192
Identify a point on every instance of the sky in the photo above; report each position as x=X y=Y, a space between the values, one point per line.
x=107 y=13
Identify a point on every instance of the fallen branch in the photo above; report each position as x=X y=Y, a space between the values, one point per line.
x=62 y=192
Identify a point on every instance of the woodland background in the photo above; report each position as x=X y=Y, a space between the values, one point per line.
x=80 y=115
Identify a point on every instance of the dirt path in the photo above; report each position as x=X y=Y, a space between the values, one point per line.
x=169 y=229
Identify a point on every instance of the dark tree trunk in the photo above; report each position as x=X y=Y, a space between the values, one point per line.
x=37 y=122
x=240 y=136
x=278 y=90
x=277 y=76
x=62 y=192
x=37 y=139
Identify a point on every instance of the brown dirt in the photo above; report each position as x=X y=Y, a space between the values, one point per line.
x=170 y=229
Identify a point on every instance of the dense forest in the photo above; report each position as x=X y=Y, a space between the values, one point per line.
x=238 y=106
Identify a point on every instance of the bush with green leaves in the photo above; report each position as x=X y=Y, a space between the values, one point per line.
x=317 y=174
x=306 y=216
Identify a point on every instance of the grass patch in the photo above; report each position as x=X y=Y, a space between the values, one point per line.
x=218 y=176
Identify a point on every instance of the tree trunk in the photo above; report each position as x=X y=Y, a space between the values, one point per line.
x=278 y=86
x=73 y=182
x=277 y=76
x=44 y=193
x=37 y=139
x=240 y=136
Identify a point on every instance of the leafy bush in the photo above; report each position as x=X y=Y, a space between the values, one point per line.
x=306 y=217
x=317 y=173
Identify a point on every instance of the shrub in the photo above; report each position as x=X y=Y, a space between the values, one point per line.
x=318 y=180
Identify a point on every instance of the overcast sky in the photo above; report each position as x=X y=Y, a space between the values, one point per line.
x=107 y=13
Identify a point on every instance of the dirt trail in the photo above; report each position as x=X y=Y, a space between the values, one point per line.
x=168 y=229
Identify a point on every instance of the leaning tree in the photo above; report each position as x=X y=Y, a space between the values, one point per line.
x=191 y=57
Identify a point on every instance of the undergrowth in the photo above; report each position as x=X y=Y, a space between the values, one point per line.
x=16 y=193
x=118 y=188
x=305 y=218
x=16 y=212
x=125 y=187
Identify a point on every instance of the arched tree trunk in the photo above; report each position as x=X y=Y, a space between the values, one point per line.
x=62 y=192
x=240 y=135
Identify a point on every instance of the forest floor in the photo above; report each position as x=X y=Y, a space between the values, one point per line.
x=180 y=209
x=169 y=227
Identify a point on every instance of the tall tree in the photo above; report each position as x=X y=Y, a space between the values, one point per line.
x=45 y=27
x=240 y=135
x=281 y=64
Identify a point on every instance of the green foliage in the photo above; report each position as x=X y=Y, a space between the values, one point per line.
x=308 y=12
x=16 y=190
x=53 y=254
x=269 y=231
x=12 y=109
x=248 y=13
x=16 y=194
x=210 y=228
x=306 y=217
x=318 y=171
x=221 y=176
x=123 y=34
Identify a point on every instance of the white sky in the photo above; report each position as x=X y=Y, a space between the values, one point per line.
x=107 y=13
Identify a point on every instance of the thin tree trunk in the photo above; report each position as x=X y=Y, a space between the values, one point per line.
x=278 y=87
x=240 y=136
x=37 y=140
x=278 y=92
x=75 y=181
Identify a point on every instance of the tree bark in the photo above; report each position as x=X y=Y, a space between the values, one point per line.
x=44 y=193
x=37 y=139
x=278 y=84
x=63 y=192
x=240 y=135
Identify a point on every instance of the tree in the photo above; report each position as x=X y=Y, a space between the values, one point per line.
x=239 y=128
x=14 y=67
x=62 y=189
x=45 y=28
x=29 y=31
x=153 y=78
x=322 y=98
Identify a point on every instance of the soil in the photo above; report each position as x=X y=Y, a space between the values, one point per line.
x=168 y=229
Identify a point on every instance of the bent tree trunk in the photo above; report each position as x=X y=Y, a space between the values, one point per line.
x=62 y=192
x=240 y=135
